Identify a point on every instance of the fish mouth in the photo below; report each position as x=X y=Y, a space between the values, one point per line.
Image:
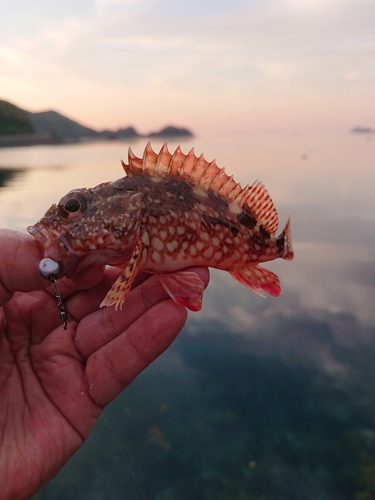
x=40 y=233
x=53 y=243
x=56 y=247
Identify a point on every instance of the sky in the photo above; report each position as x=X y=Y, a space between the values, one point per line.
x=218 y=67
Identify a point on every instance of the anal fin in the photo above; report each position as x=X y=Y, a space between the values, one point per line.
x=184 y=287
x=121 y=287
x=258 y=279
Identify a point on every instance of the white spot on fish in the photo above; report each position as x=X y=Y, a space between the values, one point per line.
x=208 y=252
x=157 y=244
x=146 y=238
x=200 y=245
x=200 y=192
x=172 y=245
x=193 y=250
x=180 y=256
x=235 y=209
x=156 y=257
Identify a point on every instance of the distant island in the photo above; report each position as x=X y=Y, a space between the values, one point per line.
x=363 y=130
x=19 y=127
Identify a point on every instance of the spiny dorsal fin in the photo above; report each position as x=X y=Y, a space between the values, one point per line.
x=253 y=199
x=261 y=205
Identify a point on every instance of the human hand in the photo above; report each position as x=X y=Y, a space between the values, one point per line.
x=54 y=383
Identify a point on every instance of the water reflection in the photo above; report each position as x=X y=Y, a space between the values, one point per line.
x=223 y=422
x=258 y=398
x=7 y=175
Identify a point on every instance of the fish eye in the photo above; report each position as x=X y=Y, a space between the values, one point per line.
x=72 y=206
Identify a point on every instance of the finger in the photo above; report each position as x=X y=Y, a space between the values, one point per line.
x=19 y=268
x=90 y=278
x=85 y=280
x=113 y=367
x=81 y=305
x=44 y=309
x=20 y=256
x=106 y=322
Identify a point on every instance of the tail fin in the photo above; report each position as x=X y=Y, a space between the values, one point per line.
x=288 y=250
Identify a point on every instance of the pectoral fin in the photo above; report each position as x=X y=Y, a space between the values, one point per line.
x=185 y=288
x=258 y=278
x=121 y=287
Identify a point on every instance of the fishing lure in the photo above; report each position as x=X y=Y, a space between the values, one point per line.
x=50 y=270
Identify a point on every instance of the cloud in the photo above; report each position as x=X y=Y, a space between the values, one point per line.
x=318 y=5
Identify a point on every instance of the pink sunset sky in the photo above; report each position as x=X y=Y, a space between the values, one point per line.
x=218 y=67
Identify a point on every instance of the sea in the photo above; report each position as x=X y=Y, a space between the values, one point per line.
x=258 y=398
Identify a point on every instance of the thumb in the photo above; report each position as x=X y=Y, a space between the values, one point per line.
x=20 y=255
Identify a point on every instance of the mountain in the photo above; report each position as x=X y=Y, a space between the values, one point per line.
x=121 y=133
x=19 y=127
x=59 y=125
x=363 y=130
x=171 y=131
x=13 y=120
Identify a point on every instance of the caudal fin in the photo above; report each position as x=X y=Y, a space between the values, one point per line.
x=288 y=250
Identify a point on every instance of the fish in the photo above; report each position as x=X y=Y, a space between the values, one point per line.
x=169 y=212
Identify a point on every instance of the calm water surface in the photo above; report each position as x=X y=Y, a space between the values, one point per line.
x=258 y=398
x=326 y=185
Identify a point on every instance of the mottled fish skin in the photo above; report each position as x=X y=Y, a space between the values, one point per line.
x=169 y=212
